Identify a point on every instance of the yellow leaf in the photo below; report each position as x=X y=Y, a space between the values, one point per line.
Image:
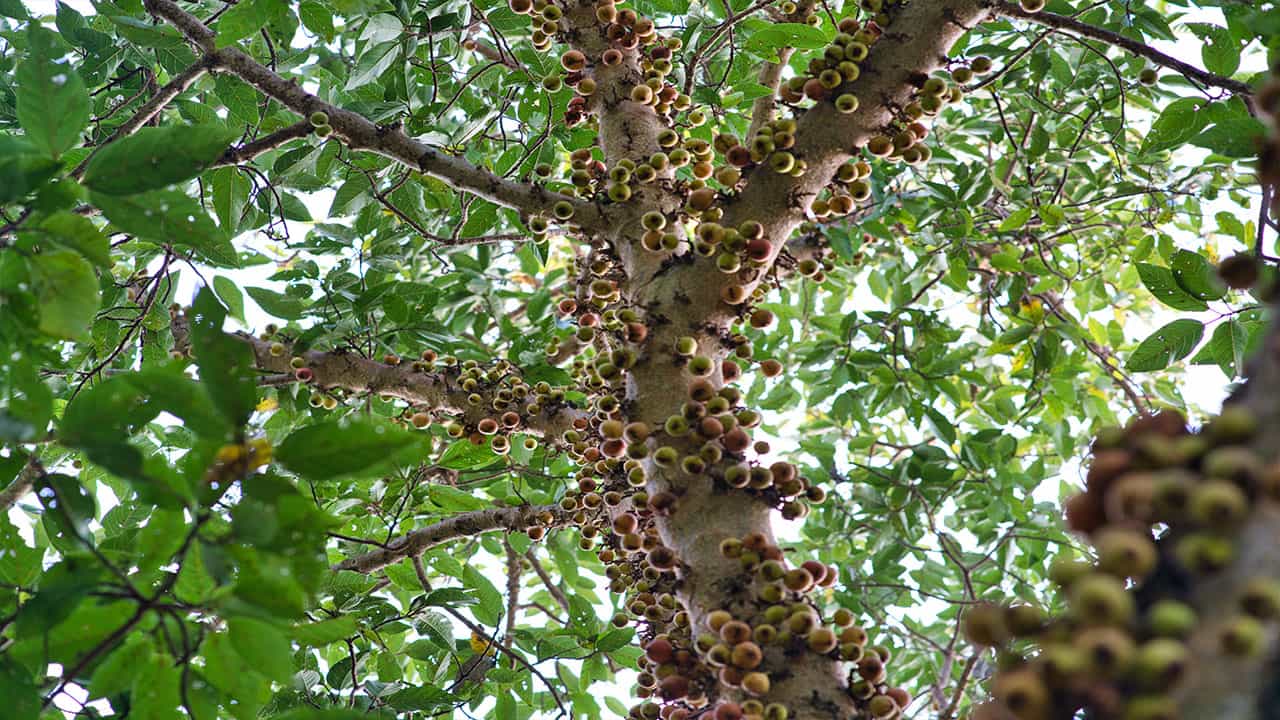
x=267 y=405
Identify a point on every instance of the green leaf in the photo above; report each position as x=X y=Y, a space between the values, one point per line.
x=1166 y=345
x=17 y=687
x=155 y=694
x=53 y=104
x=489 y=610
x=453 y=499
x=169 y=217
x=226 y=364
x=1162 y=283
x=153 y=158
x=116 y=673
x=1016 y=219
x=283 y=306
x=172 y=391
x=229 y=293
x=67 y=289
x=1196 y=276
x=1219 y=49
x=316 y=17
x=424 y=697
x=466 y=455
x=1178 y=123
x=319 y=634
x=774 y=36
x=80 y=234
x=22 y=169
x=246 y=18
x=263 y=648
x=1234 y=137
x=327 y=450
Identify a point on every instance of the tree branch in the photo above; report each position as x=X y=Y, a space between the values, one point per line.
x=359 y=133
x=152 y=107
x=1075 y=27
x=437 y=390
x=250 y=150
x=415 y=543
x=21 y=484
x=915 y=43
x=556 y=593
x=762 y=108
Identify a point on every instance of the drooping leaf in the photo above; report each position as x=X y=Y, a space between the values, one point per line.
x=327 y=450
x=170 y=217
x=1166 y=345
x=52 y=104
x=67 y=288
x=226 y=364
x=155 y=158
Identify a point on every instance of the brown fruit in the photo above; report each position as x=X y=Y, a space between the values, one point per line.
x=746 y=655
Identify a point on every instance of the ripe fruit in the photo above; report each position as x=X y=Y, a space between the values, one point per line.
x=746 y=655
x=821 y=640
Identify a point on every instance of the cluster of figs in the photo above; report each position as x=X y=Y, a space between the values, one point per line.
x=1163 y=507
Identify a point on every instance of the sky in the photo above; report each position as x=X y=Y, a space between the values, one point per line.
x=1204 y=387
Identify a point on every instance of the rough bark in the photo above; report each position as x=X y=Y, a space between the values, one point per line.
x=417 y=542
x=436 y=390
x=684 y=299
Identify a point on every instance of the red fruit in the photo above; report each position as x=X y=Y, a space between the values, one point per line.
x=736 y=440
x=759 y=249
x=673 y=687
x=816 y=569
x=728 y=711
x=660 y=651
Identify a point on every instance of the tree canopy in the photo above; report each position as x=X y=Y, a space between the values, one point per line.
x=652 y=359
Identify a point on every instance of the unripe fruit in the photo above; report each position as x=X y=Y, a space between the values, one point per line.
x=1101 y=600
x=756 y=683
x=1023 y=693
x=318 y=118
x=1242 y=637
x=1160 y=663
x=1218 y=504
x=1109 y=651
x=847 y=103
x=1126 y=553
x=984 y=625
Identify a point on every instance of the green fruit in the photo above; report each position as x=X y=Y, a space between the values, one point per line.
x=318 y=118
x=1099 y=599
x=1172 y=619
